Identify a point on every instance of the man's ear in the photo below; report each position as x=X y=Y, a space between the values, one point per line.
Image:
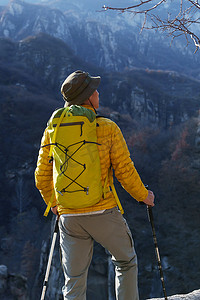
x=86 y=101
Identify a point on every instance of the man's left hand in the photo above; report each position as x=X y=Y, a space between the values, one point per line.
x=54 y=210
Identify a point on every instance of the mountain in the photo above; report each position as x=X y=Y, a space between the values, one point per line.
x=161 y=98
x=157 y=109
x=107 y=40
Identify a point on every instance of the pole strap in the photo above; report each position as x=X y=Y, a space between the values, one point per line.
x=51 y=155
x=49 y=203
x=56 y=130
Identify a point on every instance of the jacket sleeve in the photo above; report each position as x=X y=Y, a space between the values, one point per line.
x=124 y=168
x=44 y=170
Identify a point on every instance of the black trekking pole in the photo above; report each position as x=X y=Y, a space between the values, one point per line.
x=151 y=220
x=55 y=232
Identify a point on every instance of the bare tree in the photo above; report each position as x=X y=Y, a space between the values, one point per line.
x=182 y=18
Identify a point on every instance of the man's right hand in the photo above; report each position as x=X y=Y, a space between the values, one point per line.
x=149 y=199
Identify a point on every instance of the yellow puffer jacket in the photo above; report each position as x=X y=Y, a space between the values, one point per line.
x=112 y=151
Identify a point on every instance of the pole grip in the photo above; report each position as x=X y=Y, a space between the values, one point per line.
x=56 y=227
x=141 y=202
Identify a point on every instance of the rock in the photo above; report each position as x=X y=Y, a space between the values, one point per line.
x=18 y=286
x=12 y=286
x=195 y=295
x=3 y=278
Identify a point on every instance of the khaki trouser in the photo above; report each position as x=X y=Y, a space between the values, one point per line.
x=110 y=229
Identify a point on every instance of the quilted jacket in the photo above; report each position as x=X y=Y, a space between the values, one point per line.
x=112 y=151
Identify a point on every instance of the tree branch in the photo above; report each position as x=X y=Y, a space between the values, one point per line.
x=176 y=26
x=133 y=7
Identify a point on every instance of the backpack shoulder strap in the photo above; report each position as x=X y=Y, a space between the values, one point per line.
x=56 y=130
x=50 y=155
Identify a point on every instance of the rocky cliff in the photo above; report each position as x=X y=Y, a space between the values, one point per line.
x=195 y=295
x=14 y=286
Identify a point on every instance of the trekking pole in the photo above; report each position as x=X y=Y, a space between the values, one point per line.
x=151 y=220
x=55 y=232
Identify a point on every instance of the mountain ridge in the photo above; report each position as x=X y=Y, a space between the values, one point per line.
x=47 y=61
x=112 y=43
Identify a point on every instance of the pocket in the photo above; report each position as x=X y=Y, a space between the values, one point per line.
x=109 y=211
x=128 y=231
x=130 y=236
x=99 y=214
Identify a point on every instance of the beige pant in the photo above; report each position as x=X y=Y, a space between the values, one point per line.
x=110 y=229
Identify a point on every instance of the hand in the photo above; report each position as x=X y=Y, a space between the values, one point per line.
x=54 y=210
x=149 y=199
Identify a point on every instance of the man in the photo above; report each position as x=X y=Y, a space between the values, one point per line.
x=101 y=222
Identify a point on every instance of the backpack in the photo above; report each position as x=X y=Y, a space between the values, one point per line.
x=76 y=162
